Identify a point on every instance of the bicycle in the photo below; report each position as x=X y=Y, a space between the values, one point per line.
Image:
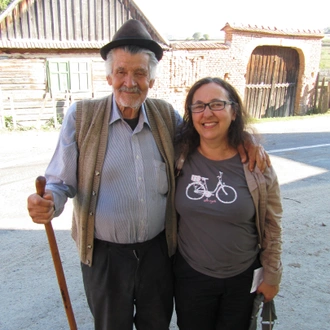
x=198 y=189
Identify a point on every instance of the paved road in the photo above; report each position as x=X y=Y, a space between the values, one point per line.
x=30 y=298
x=300 y=153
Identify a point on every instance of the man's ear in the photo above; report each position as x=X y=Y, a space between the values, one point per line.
x=109 y=80
x=151 y=83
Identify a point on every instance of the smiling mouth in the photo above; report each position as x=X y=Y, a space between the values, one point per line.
x=209 y=124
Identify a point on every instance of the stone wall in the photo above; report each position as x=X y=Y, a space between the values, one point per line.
x=178 y=71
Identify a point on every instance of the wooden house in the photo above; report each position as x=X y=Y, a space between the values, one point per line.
x=49 y=54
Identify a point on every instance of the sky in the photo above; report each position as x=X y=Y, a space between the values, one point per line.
x=183 y=18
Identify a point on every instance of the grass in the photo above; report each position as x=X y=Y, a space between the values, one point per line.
x=325 y=53
x=325 y=57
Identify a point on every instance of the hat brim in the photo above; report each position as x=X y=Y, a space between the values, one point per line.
x=144 y=43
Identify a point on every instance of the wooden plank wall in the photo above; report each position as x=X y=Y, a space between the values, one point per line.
x=23 y=89
x=24 y=94
x=271 y=82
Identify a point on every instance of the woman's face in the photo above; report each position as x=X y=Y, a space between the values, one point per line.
x=212 y=126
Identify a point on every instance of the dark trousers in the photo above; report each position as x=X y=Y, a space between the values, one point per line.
x=208 y=303
x=130 y=283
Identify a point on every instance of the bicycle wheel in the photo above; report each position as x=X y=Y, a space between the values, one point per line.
x=226 y=194
x=195 y=191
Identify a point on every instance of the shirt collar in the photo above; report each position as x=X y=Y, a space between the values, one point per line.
x=116 y=114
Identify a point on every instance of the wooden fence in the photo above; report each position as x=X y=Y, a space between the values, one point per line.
x=322 y=94
x=48 y=109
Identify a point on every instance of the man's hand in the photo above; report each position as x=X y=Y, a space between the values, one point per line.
x=269 y=291
x=255 y=154
x=41 y=209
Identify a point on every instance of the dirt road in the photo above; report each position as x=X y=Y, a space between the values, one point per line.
x=30 y=297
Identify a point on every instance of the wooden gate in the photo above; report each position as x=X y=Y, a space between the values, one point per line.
x=271 y=82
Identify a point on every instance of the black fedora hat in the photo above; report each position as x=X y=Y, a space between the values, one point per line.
x=132 y=32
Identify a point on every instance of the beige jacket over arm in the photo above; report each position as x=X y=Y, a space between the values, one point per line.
x=265 y=191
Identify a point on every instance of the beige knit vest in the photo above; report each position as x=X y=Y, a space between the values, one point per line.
x=92 y=124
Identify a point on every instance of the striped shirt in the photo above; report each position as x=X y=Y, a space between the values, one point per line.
x=132 y=198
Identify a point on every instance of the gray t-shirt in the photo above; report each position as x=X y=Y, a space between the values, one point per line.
x=217 y=231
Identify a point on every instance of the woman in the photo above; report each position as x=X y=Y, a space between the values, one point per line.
x=230 y=218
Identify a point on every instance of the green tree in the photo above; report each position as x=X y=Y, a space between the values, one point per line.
x=4 y=4
x=197 y=35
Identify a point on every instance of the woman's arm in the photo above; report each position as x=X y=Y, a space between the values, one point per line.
x=272 y=237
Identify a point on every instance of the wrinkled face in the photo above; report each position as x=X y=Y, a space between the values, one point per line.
x=212 y=126
x=130 y=79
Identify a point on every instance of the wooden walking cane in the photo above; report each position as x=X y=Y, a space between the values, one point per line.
x=40 y=186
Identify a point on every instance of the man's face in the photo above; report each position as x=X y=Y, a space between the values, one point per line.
x=130 y=79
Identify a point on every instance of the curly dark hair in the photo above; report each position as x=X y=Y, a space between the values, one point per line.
x=187 y=139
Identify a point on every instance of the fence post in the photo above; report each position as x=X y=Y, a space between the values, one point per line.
x=53 y=98
x=2 y=112
x=67 y=101
x=323 y=102
x=12 y=108
x=316 y=92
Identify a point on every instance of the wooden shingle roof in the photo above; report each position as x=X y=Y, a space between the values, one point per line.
x=65 y=24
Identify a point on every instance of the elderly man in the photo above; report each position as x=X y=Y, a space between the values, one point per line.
x=115 y=157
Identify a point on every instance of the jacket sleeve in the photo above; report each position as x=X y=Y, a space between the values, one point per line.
x=272 y=232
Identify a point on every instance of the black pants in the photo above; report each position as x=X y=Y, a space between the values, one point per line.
x=208 y=303
x=128 y=277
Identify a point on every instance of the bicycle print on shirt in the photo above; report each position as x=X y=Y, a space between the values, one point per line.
x=198 y=189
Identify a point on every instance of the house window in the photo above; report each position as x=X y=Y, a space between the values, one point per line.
x=68 y=76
